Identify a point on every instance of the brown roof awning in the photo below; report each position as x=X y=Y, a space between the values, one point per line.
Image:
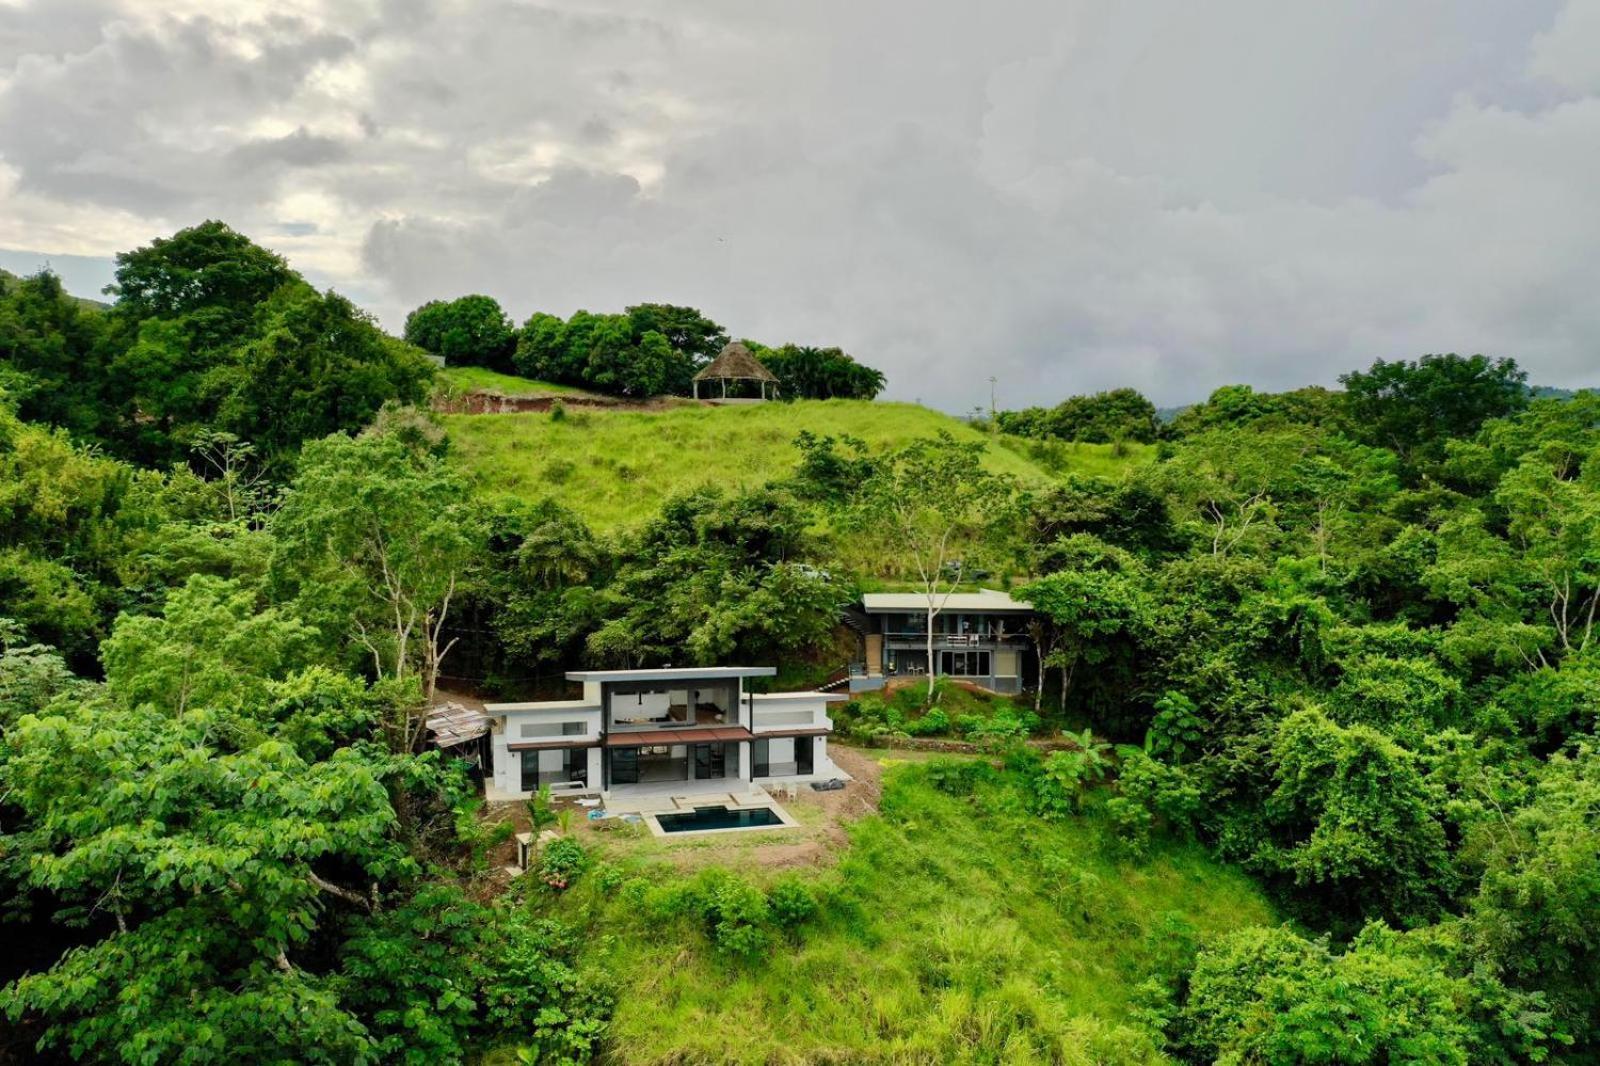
x=687 y=735
x=813 y=732
x=550 y=745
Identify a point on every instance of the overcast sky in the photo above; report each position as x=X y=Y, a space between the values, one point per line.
x=1067 y=194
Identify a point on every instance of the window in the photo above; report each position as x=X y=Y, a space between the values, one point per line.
x=965 y=663
x=534 y=730
x=550 y=767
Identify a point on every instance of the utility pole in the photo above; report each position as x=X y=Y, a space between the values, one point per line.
x=994 y=424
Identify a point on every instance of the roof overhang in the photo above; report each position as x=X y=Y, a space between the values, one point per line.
x=774 y=697
x=501 y=709
x=674 y=673
x=552 y=745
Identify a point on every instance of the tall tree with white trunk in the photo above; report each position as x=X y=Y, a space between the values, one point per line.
x=937 y=510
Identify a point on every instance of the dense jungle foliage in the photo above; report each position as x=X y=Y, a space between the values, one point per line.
x=1338 y=647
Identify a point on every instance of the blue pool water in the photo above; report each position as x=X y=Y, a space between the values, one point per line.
x=717 y=818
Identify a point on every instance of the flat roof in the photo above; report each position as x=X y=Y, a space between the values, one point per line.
x=650 y=738
x=764 y=696
x=541 y=705
x=673 y=673
x=982 y=600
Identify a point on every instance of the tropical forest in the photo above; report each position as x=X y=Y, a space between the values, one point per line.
x=1304 y=767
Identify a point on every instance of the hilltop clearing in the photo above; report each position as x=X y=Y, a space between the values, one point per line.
x=616 y=467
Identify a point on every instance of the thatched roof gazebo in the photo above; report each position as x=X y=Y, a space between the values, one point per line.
x=735 y=363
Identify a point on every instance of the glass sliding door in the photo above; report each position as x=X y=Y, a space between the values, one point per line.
x=804 y=755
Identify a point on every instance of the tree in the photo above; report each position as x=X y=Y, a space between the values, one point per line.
x=376 y=538
x=1095 y=609
x=1271 y=996
x=315 y=365
x=1413 y=407
x=1236 y=406
x=31 y=675
x=1538 y=908
x=1553 y=522
x=215 y=869
x=1105 y=417
x=722 y=576
x=937 y=508
x=209 y=275
x=215 y=333
x=208 y=648
x=809 y=373
x=56 y=350
x=467 y=331
x=1353 y=813
x=691 y=335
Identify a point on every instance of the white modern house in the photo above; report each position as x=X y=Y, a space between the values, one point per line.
x=660 y=732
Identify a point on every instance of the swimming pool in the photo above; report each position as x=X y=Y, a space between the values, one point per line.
x=703 y=818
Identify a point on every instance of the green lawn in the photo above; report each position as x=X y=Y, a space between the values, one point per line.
x=956 y=929
x=616 y=467
x=470 y=378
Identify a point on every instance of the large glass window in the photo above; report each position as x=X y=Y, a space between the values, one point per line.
x=964 y=663
x=552 y=767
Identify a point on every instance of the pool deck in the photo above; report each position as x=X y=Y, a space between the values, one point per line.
x=666 y=796
x=681 y=797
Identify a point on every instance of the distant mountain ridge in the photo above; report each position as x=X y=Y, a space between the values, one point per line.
x=8 y=279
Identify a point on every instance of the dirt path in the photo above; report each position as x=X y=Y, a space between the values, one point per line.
x=488 y=402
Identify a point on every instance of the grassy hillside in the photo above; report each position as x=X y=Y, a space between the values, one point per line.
x=615 y=467
x=957 y=928
x=469 y=378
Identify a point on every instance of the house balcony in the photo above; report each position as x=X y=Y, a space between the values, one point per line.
x=956 y=641
x=676 y=719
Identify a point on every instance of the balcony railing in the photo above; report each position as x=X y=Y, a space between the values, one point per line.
x=957 y=640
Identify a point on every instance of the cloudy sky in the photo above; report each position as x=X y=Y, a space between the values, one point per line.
x=1069 y=195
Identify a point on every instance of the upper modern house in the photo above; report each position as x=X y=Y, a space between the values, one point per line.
x=649 y=731
x=980 y=637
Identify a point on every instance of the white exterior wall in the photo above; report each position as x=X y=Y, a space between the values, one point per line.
x=785 y=711
x=548 y=720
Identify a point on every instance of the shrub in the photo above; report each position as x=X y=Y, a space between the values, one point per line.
x=791 y=904
x=532 y=991
x=1151 y=795
x=558 y=411
x=559 y=471
x=735 y=913
x=561 y=862
x=935 y=722
x=958 y=777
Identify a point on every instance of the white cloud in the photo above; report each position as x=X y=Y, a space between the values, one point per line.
x=1070 y=196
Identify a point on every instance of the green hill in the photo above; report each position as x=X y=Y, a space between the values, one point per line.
x=956 y=928
x=477 y=378
x=616 y=467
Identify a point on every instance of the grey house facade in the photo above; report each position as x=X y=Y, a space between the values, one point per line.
x=980 y=637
